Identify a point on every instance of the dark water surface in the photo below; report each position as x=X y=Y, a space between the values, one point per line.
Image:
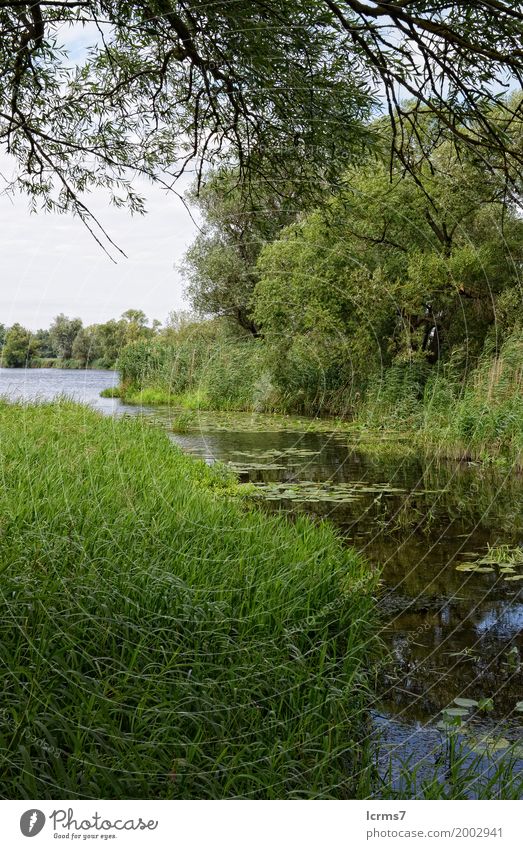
x=449 y=633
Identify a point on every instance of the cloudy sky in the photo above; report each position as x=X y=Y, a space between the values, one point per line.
x=50 y=263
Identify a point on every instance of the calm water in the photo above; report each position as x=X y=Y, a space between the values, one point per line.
x=449 y=633
x=48 y=383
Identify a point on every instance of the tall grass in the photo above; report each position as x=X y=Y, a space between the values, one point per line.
x=451 y=409
x=454 y=773
x=477 y=417
x=159 y=639
x=487 y=419
x=208 y=368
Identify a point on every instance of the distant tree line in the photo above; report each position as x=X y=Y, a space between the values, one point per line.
x=68 y=342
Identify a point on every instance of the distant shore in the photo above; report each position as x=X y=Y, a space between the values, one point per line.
x=54 y=362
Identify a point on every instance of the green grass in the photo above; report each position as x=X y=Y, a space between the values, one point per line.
x=441 y=410
x=157 y=396
x=111 y=392
x=160 y=639
x=55 y=362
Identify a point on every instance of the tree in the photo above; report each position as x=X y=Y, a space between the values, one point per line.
x=85 y=345
x=44 y=344
x=407 y=271
x=63 y=332
x=111 y=338
x=19 y=347
x=278 y=88
x=220 y=266
x=136 y=325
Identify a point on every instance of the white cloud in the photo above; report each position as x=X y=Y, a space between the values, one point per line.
x=51 y=264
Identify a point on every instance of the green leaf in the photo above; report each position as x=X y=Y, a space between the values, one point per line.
x=457 y=711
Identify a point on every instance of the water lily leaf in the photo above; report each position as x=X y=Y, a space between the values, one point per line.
x=500 y=744
x=466 y=703
x=457 y=711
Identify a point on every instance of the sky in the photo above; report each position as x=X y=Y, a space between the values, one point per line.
x=51 y=264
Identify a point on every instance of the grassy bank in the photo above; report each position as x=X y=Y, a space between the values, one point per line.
x=55 y=362
x=160 y=639
x=480 y=418
x=446 y=410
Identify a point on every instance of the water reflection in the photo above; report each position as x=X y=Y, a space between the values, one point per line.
x=449 y=632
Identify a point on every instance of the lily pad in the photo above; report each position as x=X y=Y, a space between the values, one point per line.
x=466 y=703
x=457 y=711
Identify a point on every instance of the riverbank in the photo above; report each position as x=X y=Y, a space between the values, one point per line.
x=161 y=639
x=412 y=407
x=55 y=362
x=486 y=433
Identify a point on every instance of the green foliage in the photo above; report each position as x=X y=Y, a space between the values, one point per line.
x=45 y=346
x=19 y=347
x=390 y=304
x=221 y=264
x=67 y=344
x=487 y=419
x=390 y=272
x=110 y=339
x=159 y=639
x=280 y=89
x=208 y=360
x=63 y=332
x=85 y=346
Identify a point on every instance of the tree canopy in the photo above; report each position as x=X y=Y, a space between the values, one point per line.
x=278 y=88
x=417 y=269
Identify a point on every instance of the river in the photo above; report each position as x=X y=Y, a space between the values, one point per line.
x=451 y=630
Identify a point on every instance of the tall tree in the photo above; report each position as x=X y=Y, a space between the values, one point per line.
x=85 y=346
x=19 y=347
x=63 y=332
x=220 y=266
x=44 y=344
x=404 y=271
x=110 y=339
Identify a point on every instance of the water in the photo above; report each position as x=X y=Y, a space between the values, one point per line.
x=48 y=383
x=449 y=633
